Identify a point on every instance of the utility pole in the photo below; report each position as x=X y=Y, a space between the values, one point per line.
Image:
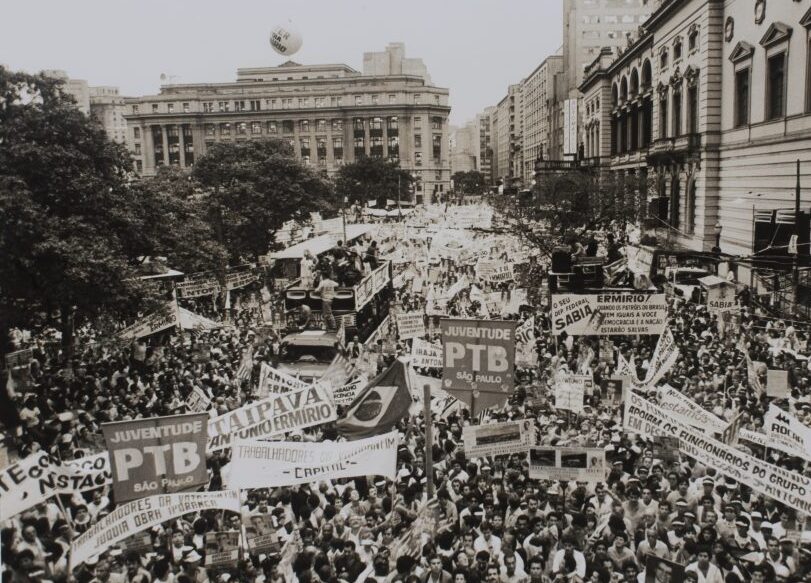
x=429 y=439
x=796 y=271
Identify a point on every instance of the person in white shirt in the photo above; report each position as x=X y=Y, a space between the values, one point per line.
x=487 y=541
x=568 y=561
x=706 y=571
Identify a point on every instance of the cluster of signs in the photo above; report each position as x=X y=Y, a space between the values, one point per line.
x=206 y=283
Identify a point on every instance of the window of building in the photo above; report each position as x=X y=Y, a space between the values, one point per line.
x=417 y=141
x=337 y=125
x=304 y=126
x=417 y=123
x=186 y=107
x=270 y=103
x=272 y=127
x=335 y=101
x=417 y=98
x=357 y=124
x=418 y=158
x=692 y=39
x=225 y=129
x=376 y=123
x=677 y=107
x=392 y=124
x=610 y=19
x=436 y=123
x=287 y=103
x=375 y=99
x=208 y=106
x=360 y=147
x=239 y=106
x=211 y=130
x=305 y=159
x=242 y=128
x=139 y=166
x=742 y=97
x=663 y=60
x=255 y=104
x=223 y=106
x=321 y=125
x=136 y=133
x=304 y=144
x=303 y=102
x=692 y=109
x=663 y=116
x=319 y=102
x=436 y=99
x=288 y=127
x=256 y=127
x=392 y=98
x=436 y=146
x=438 y=177
x=358 y=99
x=337 y=148
x=376 y=146
x=170 y=107
x=135 y=109
x=154 y=108
x=677 y=50
x=776 y=86
x=137 y=149
x=394 y=148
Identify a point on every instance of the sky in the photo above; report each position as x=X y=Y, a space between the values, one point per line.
x=475 y=48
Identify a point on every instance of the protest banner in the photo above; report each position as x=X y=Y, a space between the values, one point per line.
x=262 y=464
x=260 y=533
x=198 y=401
x=19 y=358
x=158 y=455
x=608 y=314
x=498 y=438
x=272 y=380
x=688 y=412
x=478 y=360
x=424 y=354
x=37 y=477
x=274 y=415
x=168 y=316
x=345 y=394
x=787 y=433
x=659 y=570
x=197 y=288
x=410 y=325
x=615 y=389
x=222 y=548
x=777 y=384
x=755 y=437
x=142 y=514
x=238 y=279
x=570 y=390
x=790 y=488
x=581 y=464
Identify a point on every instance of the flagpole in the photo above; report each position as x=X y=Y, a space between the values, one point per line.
x=429 y=439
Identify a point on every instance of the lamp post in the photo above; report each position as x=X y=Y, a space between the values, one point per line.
x=718 y=237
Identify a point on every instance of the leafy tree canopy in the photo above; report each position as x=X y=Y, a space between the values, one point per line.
x=470 y=182
x=373 y=179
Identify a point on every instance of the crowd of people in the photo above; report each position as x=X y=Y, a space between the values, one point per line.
x=487 y=520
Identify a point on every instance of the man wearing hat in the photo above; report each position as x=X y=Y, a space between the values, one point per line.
x=192 y=568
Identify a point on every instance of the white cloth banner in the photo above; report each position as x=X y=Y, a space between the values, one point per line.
x=790 y=488
x=663 y=359
x=275 y=381
x=410 y=325
x=277 y=414
x=142 y=514
x=168 y=316
x=570 y=389
x=687 y=411
x=344 y=395
x=37 y=477
x=262 y=464
x=786 y=433
x=425 y=354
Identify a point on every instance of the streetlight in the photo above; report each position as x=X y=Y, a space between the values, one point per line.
x=718 y=228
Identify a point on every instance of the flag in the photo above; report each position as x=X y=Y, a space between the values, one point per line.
x=338 y=372
x=752 y=376
x=730 y=434
x=381 y=404
x=246 y=365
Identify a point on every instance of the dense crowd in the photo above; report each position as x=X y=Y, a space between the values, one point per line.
x=488 y=521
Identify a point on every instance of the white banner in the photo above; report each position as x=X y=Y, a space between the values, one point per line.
x=790 y=488
x=142 y=514
x=345 y=394
x=498 y=438
x=37 y=477
x=272 y=380
x=786 y=433
x=262 y=464
x=425 y=354
x=371 y=285
x=582 y=464
x=688 y=412
x=198 y=401
x=663 y=359
x=410 y=325
x=609 y=314
x=570 y=390
x=168 y=316
x=277 y=414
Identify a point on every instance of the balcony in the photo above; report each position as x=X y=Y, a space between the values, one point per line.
x=684 y=146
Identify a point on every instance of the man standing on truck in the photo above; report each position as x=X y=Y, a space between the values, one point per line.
x=327 y=289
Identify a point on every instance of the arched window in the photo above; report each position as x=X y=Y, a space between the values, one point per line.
x=623 y=89
x=646 y=75
x=634 y=88
x=663 y=59
x=614 y=96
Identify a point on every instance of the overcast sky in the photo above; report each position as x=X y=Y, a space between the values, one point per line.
x=473 y=47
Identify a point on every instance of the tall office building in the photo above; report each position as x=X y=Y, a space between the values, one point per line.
x=464 y=147
x=330 y=115
x=589 y=25
x=486 y=147
x=508 y=137
x=538 y=110
x=77 y=88
x=108 y=107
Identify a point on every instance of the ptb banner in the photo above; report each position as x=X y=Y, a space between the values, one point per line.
x=478 y=359
x=160 y=455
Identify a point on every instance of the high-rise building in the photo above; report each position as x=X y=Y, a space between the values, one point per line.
x=589 y=25
x=485 y=125
x=464 y=147
x=77 y=88
x=508 y=137
x=108 y=107
x=330 y=115
x=393 y=61
x=538 y=98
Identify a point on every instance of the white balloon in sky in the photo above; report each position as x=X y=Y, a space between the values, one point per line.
x=285 y=39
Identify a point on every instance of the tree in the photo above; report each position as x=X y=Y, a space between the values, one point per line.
x=471 y=182
x=252 y=188
x=374 y=179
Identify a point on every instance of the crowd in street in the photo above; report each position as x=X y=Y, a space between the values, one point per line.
x=488 y=521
